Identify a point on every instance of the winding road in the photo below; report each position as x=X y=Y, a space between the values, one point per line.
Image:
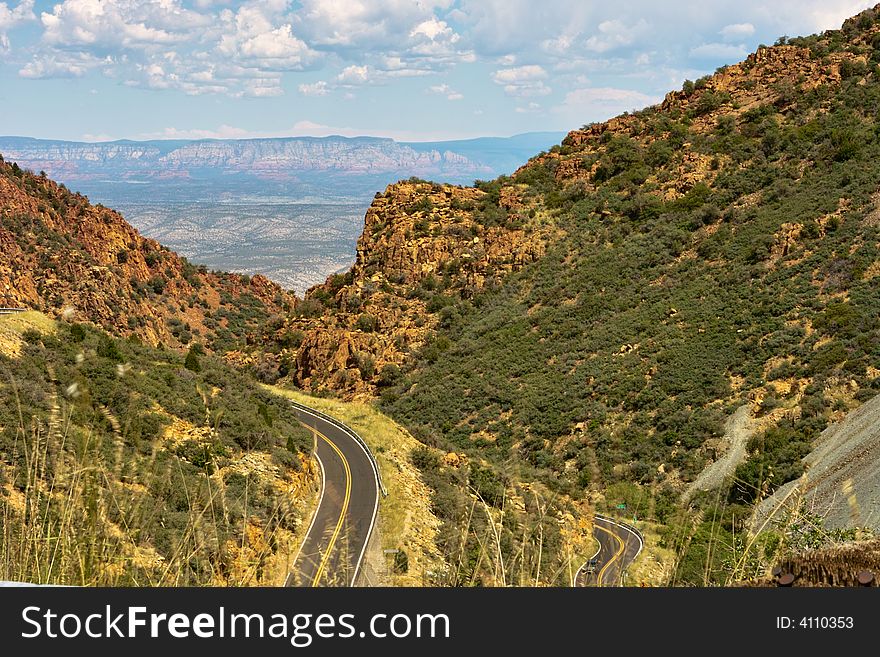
x=333 y=550
x=619 y=545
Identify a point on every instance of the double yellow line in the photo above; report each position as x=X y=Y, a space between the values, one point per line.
x=620 y=548
x=323 y=565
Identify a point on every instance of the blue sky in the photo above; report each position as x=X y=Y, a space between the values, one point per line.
x=408 y=69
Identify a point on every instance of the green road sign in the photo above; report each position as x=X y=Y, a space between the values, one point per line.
x=621 y=506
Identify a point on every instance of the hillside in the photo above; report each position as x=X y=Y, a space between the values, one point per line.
x=130 y=452
x=59 y=253
x=121 y=464
x=592 y=320
x=842 y=475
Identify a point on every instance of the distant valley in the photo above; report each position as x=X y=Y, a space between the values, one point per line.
x=289 y=208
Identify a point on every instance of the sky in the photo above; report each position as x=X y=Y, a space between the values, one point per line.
x=415 y=70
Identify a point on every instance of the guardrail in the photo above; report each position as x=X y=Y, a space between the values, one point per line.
x=9 y=311
x=351 y=432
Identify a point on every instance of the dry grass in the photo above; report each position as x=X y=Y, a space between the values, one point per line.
x=405 y=519
x=73 y=511
x=14 y=325
x=655 y=564
x=68 y=520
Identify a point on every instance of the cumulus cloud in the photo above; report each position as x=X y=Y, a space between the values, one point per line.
x=258 y=47
x=319 y=88
x=13 y=16
x=522 y=81
x=354 y=75
x=367 y=24
x=599 y=103
x=736 y=31
x=64 y=65
x=531 y=108
x=119 y=23
x=257 y=35
x=445 y=90
x=614 y=34
x=161 y=44
x=222 y=132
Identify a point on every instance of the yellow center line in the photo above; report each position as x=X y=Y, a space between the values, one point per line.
x=323 y=565
x=616 y=556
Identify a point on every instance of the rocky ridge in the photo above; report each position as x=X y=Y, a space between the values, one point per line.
x=423 y=248
x=59 y=253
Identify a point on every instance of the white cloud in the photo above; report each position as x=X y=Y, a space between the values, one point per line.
x=736 y=31
x=369 y=24
x=600 y=103
x=445 y=90
x=319 y=88
x=92 y=137
x=119 y=23
x=63 y=65
x=354 y=75
x=255 y=47
x=724 y=51
x=434 y=30
x=411 y=36
x=258 y=35
x=559 y=45
x=262 y=88
x=519 y=74
x=615 y=34
x=160 y=44
x=9 y=18
x=223 y=132
x=434 y=38
x=522 y=81
x=531 y=108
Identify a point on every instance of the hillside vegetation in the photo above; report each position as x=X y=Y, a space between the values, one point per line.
x=58 y=253
x=123 y=464
x=716 y=249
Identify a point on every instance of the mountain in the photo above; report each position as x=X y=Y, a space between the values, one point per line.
x=592 y=320
x=289 y=209
x=61 y=254
x=277 y=159
x=131 y=452
x=123 y=464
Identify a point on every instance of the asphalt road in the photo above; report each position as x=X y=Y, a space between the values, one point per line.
x=333 y=550
x=619 y=545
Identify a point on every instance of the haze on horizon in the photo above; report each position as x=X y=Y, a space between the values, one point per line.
x=435 y=69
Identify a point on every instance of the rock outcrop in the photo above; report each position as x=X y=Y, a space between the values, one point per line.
x=59 y=253
x=424 y=248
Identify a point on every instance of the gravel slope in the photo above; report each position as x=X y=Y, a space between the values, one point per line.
x=848 y=450
x=737 y=431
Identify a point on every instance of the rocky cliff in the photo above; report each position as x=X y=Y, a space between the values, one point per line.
x=424 y=247
x=768 y=82
x=276 y=158
x=59 y=253
x=283 y=159
x=636 y=283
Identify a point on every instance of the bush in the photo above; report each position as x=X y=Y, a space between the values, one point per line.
x=389 y=375
x=192 y=362
x=367 y=323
